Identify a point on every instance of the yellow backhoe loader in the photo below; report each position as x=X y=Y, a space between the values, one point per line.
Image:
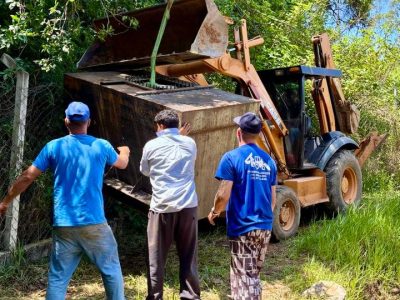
x=306 y=118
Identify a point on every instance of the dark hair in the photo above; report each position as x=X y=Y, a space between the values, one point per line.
x=167 y=117
x=248 y=135
x=75 y=125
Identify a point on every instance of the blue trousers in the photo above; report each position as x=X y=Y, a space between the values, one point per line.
x=98 y=243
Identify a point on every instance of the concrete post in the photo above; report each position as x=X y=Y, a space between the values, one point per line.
x=17 y=149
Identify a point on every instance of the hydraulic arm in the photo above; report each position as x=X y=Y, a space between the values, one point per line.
x=241 y=69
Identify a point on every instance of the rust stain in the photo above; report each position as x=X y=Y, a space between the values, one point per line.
x=213 y=35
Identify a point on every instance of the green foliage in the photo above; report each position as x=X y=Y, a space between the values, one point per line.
x=53 y=34
x=286 y=26
x=350 y=13
x=128 y=215
x=371 y=70
x=377 y=177
x=14 y=269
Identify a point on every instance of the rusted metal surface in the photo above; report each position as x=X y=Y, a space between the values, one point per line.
x=347 y=115
x=123 y=114
x=196 y=29
x=368 y=145
x=321 y=97
x=236 y=68
x=241 y=69
x=128 y=190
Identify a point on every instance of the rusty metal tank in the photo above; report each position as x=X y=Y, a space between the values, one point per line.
x=123 y=112
x=112 y=82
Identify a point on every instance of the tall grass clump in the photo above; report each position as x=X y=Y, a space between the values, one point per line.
x=363 y=244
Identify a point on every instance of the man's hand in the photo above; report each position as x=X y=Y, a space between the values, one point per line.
x=212 y=216
x=221 y=200
x=124 y=150
x=185 y=129
x=3 y=209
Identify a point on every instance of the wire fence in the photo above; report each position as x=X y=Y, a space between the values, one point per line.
x=7 y=105
x=31 y=217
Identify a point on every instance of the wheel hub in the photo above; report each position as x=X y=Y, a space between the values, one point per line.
x=349 y=185
x=287 y=215
x=345 y=185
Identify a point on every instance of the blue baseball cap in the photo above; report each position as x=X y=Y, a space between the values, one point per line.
x=77 y=111
x=249 y=122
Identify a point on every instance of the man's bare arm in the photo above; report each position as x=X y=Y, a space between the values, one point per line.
x=221 y=199
x=20 y=185
x=273 y=191
x=123 y=158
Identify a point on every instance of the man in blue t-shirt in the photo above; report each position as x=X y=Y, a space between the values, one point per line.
x=247 y=191
x=77 y=162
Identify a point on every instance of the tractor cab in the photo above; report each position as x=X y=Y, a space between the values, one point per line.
x=290 y=90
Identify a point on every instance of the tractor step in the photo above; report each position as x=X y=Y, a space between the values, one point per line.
x=309 y=190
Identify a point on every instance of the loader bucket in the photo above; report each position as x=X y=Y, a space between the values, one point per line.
x=195 y=30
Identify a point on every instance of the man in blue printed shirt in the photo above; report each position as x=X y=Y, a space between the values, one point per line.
x=77 y=161
x=247 y=191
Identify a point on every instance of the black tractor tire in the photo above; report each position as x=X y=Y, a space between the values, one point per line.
x=343 y=180
x=286 y=214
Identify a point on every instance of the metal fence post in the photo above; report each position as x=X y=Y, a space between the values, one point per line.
x=17 y=149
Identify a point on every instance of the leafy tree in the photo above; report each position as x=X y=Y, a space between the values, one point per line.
x=370 y=62
x=350 y=13
x=49 y=37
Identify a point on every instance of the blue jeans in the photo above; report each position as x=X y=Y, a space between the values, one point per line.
x=98 y=243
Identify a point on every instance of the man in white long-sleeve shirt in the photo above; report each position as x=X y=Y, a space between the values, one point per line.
x=169 y=161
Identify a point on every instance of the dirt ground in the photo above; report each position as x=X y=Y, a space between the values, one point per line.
x=29 y=282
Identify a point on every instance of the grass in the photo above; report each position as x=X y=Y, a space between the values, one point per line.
x=358 y=250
